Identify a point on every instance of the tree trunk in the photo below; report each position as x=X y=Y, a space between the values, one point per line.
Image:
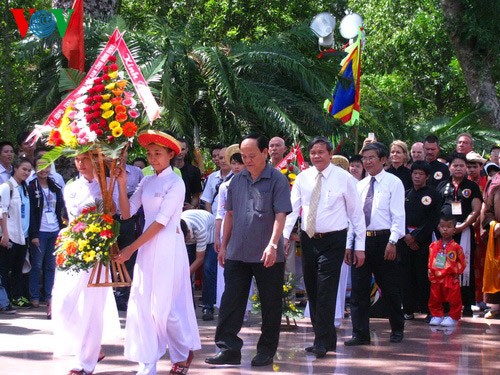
x=95 y=8
x=476 y=66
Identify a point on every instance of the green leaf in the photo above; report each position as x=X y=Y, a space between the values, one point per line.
x=69 y=79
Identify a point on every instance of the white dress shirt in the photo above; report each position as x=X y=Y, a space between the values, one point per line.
x=338 y=206
x=388 y=209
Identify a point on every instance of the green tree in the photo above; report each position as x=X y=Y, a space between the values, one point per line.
x=473 y=29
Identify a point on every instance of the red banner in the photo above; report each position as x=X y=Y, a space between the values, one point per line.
x=73 y=40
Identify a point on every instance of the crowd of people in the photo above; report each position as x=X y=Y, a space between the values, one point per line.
x=423 y=228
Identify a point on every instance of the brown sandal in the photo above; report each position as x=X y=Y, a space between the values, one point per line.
x=178 y=369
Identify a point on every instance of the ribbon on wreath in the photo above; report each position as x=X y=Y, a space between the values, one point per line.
x=115 y=43
x=295 y=153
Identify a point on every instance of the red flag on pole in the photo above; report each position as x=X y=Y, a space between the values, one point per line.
x=72 y=42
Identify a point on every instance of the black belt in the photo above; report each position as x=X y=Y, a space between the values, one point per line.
x=375 y=233
x=317 y=236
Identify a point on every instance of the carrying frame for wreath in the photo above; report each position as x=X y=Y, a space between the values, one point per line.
x=99 y=118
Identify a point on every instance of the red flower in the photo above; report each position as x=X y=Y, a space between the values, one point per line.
x=121 y=117
x=291 y=168
x=71 y=248
x=55 y=138
x=98 y=80
x=107 y=233
x=110 y=138
x=107 y=218
x=105 y=77
x=105 y=68
x=121 y=109
x=96 y=114
x=87 y=210
x=103 y=123
x=99 y=132
x=88 y=100
x=116 y=101
x=99 y=88
x=87 y=109
x=97 y=98
x=129 y=129
x=112 y=58
x=89 y=117
x=113 y=67
x=94 y=127
x=60 y=259
x=91 y=91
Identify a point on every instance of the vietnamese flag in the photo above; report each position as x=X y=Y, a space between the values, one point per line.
x=72 y=42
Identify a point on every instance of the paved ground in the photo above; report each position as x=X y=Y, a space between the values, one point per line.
x=472 y=348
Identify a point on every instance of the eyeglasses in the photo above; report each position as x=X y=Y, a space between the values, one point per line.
x=369 y=158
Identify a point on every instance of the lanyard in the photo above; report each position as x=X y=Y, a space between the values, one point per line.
x=48 y=200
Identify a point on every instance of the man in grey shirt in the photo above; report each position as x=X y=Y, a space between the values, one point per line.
x=258 y=200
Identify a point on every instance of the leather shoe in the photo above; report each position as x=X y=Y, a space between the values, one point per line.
x=225 y=357
x=396 y=336
x=310 y=349
x=262 y=359
x=356 y=341
x=319 y=351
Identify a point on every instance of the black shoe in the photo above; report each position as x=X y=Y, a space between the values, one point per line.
x=428 y=318
x=396 y=336
x=208 y=314
x=356 y=341
x=310 y=349
x=409 y=316
x=320 y=351
x=467 y=312
x=224 y=357
x=262 y=359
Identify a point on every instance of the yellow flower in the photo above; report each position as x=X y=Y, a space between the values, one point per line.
x=106 y=97
x=113 y=124
x=106 y=106
x=284 y=171
x=108 y=114
x=292 y=176
x=110 y=86
x=116 y=132
x=113 y=75
x=255 y=297
x=89 y=256
x=92 y=228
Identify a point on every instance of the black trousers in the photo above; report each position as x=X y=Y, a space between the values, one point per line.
x=11 y=269
x=386 y=276
x=414 y=279
x=321 y=262
x=238 y=277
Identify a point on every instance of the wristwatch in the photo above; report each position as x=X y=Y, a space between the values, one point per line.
x=274 y=246
x=392 y=242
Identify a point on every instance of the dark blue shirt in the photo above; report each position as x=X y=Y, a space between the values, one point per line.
x=255 y=205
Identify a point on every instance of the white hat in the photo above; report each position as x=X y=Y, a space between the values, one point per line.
x=475 y=158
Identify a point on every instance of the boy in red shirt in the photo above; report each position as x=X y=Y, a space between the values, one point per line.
x=446 y=263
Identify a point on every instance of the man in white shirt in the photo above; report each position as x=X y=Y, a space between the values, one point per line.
x=383 y=199
x=211 y=191
x=324 y=193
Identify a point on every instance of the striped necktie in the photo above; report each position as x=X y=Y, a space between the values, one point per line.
x=313 y=207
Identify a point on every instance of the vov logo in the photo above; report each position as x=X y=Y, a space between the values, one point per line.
x=42 y=23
